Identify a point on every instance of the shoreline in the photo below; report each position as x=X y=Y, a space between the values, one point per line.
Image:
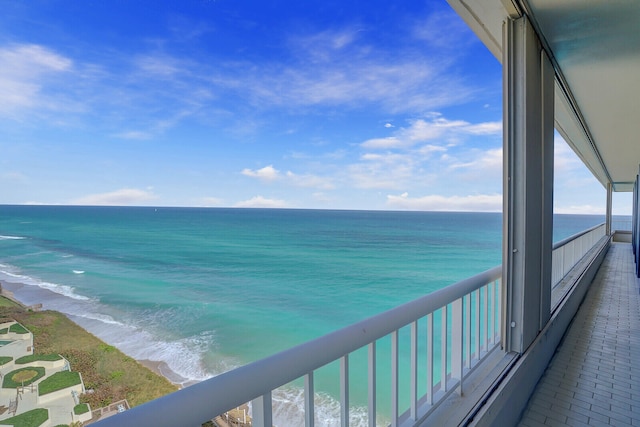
x=161 y=368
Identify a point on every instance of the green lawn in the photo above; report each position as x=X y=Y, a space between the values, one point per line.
x=80 y=409
x=38 y=357
x=32 y=418
x=17 y=328
x=5 y=359
x=9 y=381
x=58 y=381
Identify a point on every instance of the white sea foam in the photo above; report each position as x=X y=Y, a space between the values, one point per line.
x=183 y=356
x=78 y=271
x=11 y=237
x=65 y=290
x=104 y=318
x=288 y=409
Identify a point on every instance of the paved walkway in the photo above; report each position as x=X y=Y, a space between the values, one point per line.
x=594 y=377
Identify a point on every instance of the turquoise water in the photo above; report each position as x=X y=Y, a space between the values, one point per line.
x=209 y=289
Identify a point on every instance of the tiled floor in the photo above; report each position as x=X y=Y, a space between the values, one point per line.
x=594 y=377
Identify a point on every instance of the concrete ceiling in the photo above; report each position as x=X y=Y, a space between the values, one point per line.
x=595 y=48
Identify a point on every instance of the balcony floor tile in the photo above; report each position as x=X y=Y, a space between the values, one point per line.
x=597 y=364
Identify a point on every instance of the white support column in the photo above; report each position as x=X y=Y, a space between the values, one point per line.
x=528 y=184
x=608 y=229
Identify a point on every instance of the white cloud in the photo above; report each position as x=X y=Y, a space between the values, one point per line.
x=414 y=155
x=382 y=171
x=489 y=161
x=444 y=30
x=158 y=66
x=383 y=143
x=565 y=159
x=580 y=209
x=311 y=181
x=25 y=72
x=435 y=127
x=134 y=134
x=15 y=177
x=336 y=68
x=471 y=203
x=321 y=197
x=211 y=201
x=122 y=197
x=261 y=202
x=267 y=173
x=324 y=45
x=487 y=128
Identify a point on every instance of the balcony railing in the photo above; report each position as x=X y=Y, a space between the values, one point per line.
x=568 y=252
x=460 y=326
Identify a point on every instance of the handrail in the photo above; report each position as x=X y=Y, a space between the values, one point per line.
x=576 y=236
x=206 y=400
x=568 y=252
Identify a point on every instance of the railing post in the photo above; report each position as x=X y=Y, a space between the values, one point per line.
x=477 y=324
x=414 y=370
x=609 y=205
x=344 y=390
x=309 y=411
x=443 y=349
x=457 y=367
x=372 y=384
x=262 y=414
x=430 y=363
x=467 y=331
x=394 y=378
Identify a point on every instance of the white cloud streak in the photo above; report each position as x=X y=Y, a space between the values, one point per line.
x=261 y=202
x=470 y=203
x=24 y=76
x=267 y=173
x=310 y=181
x=122 y=197
x=434 y=128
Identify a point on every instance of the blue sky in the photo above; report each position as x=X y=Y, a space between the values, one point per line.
x=332 y=104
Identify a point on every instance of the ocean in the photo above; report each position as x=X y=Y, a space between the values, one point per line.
x=206 y=290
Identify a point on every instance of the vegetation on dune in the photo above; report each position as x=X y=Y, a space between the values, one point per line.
x=32 y=418
x=106 y=371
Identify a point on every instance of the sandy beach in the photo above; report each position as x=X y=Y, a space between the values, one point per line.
x=162 y=368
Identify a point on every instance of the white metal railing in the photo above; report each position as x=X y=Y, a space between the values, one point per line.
x=621 y=224
x=568 y=252
x=462 y=328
